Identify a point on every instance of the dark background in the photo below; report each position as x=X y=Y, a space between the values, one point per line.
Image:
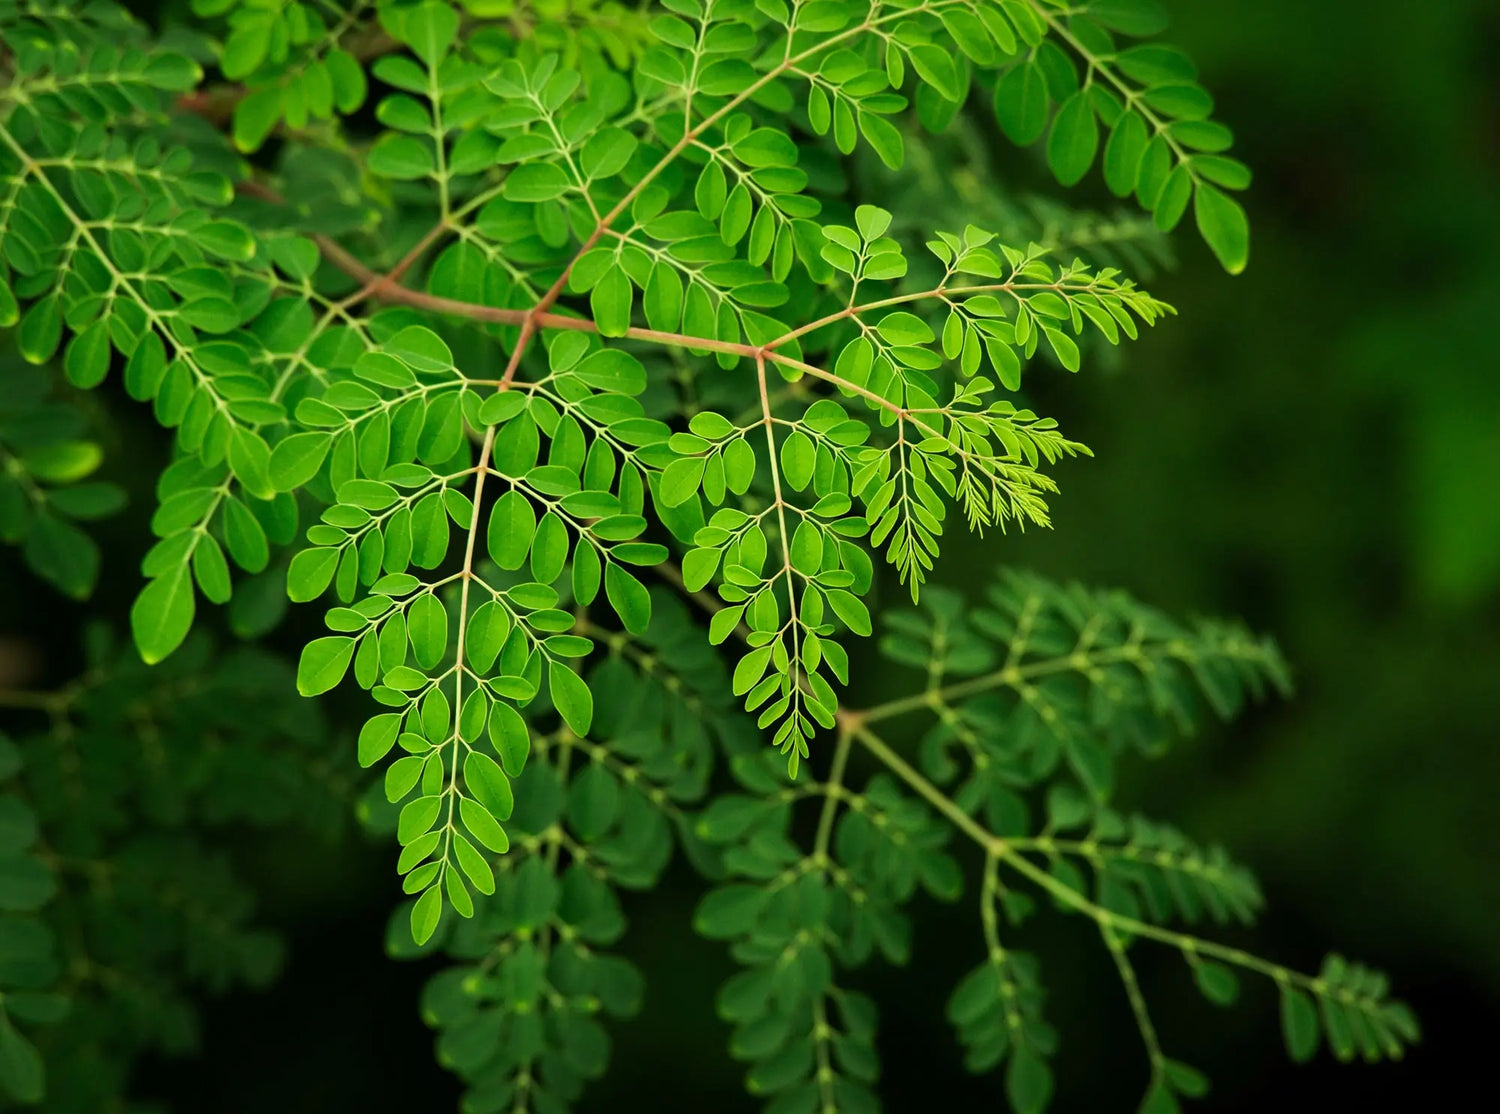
x=1314 y=446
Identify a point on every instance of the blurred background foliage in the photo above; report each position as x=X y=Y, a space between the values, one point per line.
x=1314 y=446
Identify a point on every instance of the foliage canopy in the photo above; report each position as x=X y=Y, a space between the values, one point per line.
x=500 y=329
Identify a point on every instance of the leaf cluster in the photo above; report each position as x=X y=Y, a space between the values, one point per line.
x=46 y=459
x=119 y=901
x=595 y=302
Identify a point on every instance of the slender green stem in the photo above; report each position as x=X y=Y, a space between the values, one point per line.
x=934 y=796
x=1010 y=675
x=1182 y=941
x=1132 y=987
x=834 y=791
x=989 y=919
x=1010 y=854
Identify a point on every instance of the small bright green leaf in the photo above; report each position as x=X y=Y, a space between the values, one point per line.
x=798 y=458
x=1222 y=222
x=63 y=462
x=1173 y=200
x=41 y=330
x=511 y=528
x=310 y=573
x=680 y=480
x=571 y=697
x=489 y=626
x=421 y=348
x=377 y=737
x=610 y=302
x=162 y=614
x=901 y=327
x=488 y=785
x=225 y=239
x=537 y=181
x=425 y=915
x=482 y=826
x=296 y=459
x=851 y=609
x=629 y=598
x=211 y=571
x=87 y=358
x=427 y=627
x=606 y=152
x=549 y=548
x=884 y=137
x=250 y=459
x=510 y=737
x=429 y=29
x=402 y=157
x=323 y=664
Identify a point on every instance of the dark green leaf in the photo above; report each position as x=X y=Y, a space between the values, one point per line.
x=1074 y=139
x=1021 y=104
x=1299 y=1024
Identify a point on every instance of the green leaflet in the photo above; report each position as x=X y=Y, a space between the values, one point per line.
x=512 y=526
x=163 y=614
x=323 y=664
x=296 y=459
x=1074 y=139
x=572 y=698
x=1222 y=222
x=1021 y=104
